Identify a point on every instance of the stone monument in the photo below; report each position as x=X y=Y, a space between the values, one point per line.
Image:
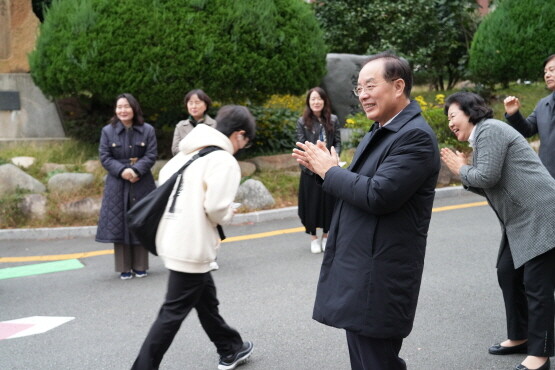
x=25 y=113
x=341 y=78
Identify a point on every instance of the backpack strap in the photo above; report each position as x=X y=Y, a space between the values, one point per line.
x=201 y=153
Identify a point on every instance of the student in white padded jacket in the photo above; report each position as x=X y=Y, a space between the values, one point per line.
x=187 y=239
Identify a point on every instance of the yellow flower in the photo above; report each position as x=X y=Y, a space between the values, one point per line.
x=440 y=99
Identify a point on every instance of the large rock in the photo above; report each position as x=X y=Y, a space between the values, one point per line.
x=341 y=78
x=70 y=182
x=247 y=168
x=446 y=177
x=33 y=205
x=18 y=34
x=12 y=177
x=23 y=162
x=254 y=195
x=158 y=166
x=274 y=162
x=92 y=165
x=37 y=117
x=82 y=208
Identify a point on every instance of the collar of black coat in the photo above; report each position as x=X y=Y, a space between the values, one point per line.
x=120 y=127
x=408 y=113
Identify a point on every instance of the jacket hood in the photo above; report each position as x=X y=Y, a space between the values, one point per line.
x=202 y=136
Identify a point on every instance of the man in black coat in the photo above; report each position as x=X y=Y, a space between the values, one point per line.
x=542 y=119
x=373 y=263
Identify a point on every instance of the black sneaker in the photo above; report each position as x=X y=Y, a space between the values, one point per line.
x=232 y=361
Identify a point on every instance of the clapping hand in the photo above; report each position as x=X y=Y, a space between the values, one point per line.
x=316 y=157
x=453 y=160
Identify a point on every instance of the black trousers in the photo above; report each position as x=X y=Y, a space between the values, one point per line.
x=529 y=304
x=185 y=292
x=374 y=353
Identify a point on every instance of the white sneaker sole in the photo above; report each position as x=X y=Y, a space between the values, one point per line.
x=240 y=361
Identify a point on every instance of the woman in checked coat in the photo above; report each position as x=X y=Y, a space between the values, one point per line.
x=128 y=152
x=521 y=191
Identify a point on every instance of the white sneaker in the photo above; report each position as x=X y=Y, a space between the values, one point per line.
x=324 y=242
x=214 y=266
x=315 y=246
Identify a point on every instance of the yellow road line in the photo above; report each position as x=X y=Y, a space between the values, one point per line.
x=263 y=235
x=56 y=257
x=59 y=257
x=459 y=206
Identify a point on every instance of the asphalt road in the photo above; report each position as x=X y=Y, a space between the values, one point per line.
x=266 y=288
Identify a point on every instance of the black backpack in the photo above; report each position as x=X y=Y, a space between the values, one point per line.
x=143 y=218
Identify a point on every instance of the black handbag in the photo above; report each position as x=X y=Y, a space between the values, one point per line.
x=143 y=218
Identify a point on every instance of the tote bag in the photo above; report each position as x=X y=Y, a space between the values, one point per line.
x=143 y=218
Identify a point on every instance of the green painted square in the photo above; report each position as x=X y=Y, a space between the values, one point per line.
x=40 y=268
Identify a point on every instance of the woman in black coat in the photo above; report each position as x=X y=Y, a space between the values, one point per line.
x=127 y=151
x=316 y=207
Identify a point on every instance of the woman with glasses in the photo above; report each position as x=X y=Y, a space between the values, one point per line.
x=315 y=206
x=507 y=171
x=197 y=104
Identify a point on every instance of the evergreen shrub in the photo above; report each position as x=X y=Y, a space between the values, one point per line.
x=236 y=51
x=512 y=42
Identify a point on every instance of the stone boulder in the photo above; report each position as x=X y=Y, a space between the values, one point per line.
x=341 y=78
x=70 y=182
x=92 y=165
x=158 y=165
x=18 y=34
x=247 y=168
x=446 y=177
x=23 y=162
x=82 y=208
x=12 y=177
x=252 y=194
x=51 y=167
x=33 y=205
x=274 y=162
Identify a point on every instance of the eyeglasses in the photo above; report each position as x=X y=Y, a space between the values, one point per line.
x=359 y=90
x=249 y=142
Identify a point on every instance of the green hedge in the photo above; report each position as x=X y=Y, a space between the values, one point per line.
x=158 y=50
x=512 y=42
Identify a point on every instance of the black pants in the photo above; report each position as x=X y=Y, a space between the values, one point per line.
x=374 y=353
x=185 y=292
x=529 y=304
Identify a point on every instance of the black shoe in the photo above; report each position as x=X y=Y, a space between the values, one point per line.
x=498 y=349
x=232 y=361
x=545 y=366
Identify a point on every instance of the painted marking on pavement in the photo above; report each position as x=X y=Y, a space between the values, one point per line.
x=57 y=257
x=39 y=268
x=30 y=326
x=60 y=257
x=459 y=206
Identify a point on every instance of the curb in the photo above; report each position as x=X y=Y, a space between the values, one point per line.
x=242 y=218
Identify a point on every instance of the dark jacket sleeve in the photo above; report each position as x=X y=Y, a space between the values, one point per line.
x=527 y=127
x=145 y=163
x=337 y=135
x=113 y=166
x=402 y=172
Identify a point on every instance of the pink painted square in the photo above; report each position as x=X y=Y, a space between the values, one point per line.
x=8 y=329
